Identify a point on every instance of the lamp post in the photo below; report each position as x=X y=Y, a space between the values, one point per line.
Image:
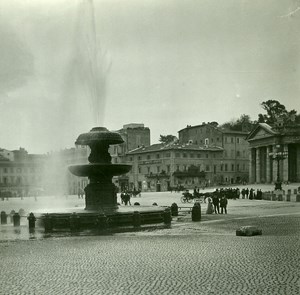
x=278 y=155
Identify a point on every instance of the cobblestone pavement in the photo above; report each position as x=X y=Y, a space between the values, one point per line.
x=189 y=258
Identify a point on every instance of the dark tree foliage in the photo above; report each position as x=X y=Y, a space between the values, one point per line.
x=277 y=111
x=167 y=138
x=243 y=123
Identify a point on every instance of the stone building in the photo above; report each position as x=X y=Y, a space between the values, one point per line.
x=23 y=174
x=275 y=153
x=134 y=135
x=161 y=166
x=20 y=173
x=234 y=163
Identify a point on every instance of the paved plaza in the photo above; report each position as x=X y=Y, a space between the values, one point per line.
x=188 y=258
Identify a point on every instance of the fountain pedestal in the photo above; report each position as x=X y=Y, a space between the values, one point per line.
x=100 y=193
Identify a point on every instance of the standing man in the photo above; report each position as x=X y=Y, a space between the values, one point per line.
x=223 y=204
x=215 y=200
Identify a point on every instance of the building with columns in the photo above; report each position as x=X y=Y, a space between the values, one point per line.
x=274 y=153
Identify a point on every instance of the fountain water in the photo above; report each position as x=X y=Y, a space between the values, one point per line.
x=101 y=198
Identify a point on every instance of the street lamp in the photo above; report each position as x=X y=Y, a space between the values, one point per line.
x=278 y=155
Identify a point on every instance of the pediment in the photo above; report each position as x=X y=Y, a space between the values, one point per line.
x=261 y=131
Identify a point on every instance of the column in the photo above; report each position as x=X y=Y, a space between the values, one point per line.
x=274 y=166
x=285 y=165
x=298 y=163
x=257 y=165
x=268 y=165
x=252 y=167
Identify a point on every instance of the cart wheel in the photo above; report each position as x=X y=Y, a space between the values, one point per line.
x=190 y=200
x=183 y=199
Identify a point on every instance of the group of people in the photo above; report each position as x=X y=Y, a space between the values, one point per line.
x=215 y=203
x=125 y=198
x=236 y=193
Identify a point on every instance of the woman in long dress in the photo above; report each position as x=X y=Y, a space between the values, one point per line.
x=210 y=209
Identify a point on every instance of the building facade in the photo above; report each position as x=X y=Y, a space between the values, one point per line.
x=135 y=135
x=161 y=166
x=23 y=174
x=234 y=162
x=274 y=153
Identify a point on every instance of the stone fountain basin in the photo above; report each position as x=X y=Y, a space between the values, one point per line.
x=94 y=169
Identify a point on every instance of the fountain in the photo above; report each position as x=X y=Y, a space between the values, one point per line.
x=101 y=207
x=100 y=192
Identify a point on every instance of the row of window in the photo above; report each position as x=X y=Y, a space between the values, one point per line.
x=177 y=155
x=232 y=154
x=18 y=179
x=18 y=170
x=207 y=168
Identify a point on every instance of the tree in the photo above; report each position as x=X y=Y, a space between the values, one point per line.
x=276 y=110
x=167 y=138
x=243 y=123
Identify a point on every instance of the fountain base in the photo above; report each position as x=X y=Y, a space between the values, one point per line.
x=101 y=196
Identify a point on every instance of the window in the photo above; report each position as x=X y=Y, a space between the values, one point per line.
x=232 y=167
x=131 y=159
x=157 y=156
x=148 y=157
x=221 y=167
x=207 y=168
x=226 y=167
x=244 y=167
x=167 y=155
x=237 y=167
x=140 y=158
x=184 y=155
x=191 y=155
x=177 y=168
x=148 y=170
x=218 y=139
x=148 y=185
x=198 y=155
x=5 y=170
x=177 y=155
x=238 y=153
x=206 y=141
x=237 y=140
x=140 y=170
x=215 y=169
x=212 y=140
x=158 y=169
x=168 y=168
x=232 y=139
x=207 y=156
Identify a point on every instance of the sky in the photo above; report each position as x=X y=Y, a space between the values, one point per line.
x=67 y=66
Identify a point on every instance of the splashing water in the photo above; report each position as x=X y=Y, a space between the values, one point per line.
x=92 y=65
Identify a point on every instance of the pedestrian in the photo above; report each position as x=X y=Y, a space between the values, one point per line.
x=216 y=204
x=251 y=195
x=223 y=204
x=243 y=193
x=210 y=209
x=122 y=198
